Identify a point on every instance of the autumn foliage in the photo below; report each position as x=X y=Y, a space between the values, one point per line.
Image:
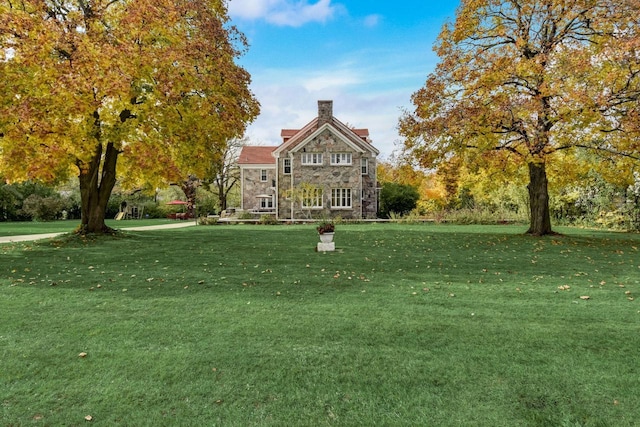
x=135 y=91
x=536 y=84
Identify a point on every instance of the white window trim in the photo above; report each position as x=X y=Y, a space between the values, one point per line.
x=315 y=198
x=284 y=166
x=341 y=159
x=341 y=193
x=264 y=175
x=311 y=159
x=364 y=166
x=266 y=203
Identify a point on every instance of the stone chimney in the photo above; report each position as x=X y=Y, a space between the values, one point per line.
x=325 y=112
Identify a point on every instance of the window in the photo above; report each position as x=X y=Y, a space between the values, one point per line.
x=340 y=158
x=364 y=165
x=266 y=203
x=312 y=198
x=341 y=198
x=263 y=175
x=311 y=158
x=286 y=166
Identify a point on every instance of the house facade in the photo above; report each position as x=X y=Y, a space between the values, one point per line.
x=324 y=169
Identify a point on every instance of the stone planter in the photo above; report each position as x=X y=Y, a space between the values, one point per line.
x=326 y=237
x=326 y=243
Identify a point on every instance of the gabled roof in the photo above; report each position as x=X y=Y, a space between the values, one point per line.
x=295 y=137
x=257 y=155
x=286 y=134
x=349 y=141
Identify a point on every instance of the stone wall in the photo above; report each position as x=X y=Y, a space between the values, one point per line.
x=253 y=186
x=328 y=177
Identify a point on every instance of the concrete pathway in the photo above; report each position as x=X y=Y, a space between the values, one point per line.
x=32 y=237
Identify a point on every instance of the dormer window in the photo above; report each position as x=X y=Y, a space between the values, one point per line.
x=342 y=159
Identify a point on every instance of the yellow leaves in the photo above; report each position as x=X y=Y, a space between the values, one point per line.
x=500 y=85
x=70 y=80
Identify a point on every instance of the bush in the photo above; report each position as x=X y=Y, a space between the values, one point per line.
x=44 y=208
x=481 y=215
x=397 y=198
x=13 y=196
x=206 y=220
x=268 y=220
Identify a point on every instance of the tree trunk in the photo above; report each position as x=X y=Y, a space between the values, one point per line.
x=95 y=189
x=539 y=200
x=189 y=187
x=222 y=196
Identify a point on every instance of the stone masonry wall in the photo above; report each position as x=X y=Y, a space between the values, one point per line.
x=253 y=186
x=328 y=177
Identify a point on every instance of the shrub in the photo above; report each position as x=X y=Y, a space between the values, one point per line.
x=205 y=220
x=43 y=208
x=398 y=198
x=268 y=219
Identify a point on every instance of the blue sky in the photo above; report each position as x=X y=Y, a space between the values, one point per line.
x=368 y=56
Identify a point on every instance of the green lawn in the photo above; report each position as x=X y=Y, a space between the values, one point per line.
x=247 y=325
x=34 y=227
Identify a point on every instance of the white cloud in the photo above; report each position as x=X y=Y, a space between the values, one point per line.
x=251 y=9
x=371 y=21
x=291 y=13
x=289 y=98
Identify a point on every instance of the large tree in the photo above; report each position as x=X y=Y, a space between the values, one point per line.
x=224 y=173
x=531 y=83
x=137 y=90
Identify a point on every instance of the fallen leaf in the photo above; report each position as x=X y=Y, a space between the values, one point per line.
x=88 y=418
x=585 y=297
x=83 y=354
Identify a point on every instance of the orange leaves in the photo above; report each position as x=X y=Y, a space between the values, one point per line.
x=502 y=86
x=64 y=90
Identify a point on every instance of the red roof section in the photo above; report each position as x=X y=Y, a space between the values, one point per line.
x=256 y=155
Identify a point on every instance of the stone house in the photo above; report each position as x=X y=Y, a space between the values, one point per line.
x=324 y=169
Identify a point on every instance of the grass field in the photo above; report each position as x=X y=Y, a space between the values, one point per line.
x=248 y=325
x=34 y=227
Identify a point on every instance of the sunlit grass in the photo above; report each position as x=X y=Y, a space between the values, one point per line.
x=35 y=227
x=248 y=325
